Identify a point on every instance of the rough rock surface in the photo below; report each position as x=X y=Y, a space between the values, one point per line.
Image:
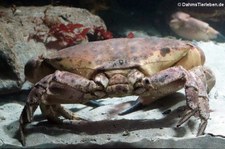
x=15 y=29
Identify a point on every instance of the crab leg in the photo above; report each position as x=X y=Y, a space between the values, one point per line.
x=55 y=89
x=195 y=90
x=171 y=80
x=197 y=98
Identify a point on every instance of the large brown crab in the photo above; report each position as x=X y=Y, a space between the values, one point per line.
x=147 y=67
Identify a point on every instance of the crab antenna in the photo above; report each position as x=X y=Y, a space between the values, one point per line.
x=136 y=106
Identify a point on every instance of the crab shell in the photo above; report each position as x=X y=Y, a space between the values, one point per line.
x=148 y=55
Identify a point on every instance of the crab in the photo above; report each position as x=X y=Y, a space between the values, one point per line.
x=149 y=68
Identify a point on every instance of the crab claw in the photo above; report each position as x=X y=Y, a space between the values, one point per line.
x=197 y=96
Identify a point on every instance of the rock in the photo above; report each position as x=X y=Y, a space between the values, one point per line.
x=16 y=48
x=15 y=51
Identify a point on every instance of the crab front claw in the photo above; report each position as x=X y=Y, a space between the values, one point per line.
x=55 y=89
x=197 y=83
